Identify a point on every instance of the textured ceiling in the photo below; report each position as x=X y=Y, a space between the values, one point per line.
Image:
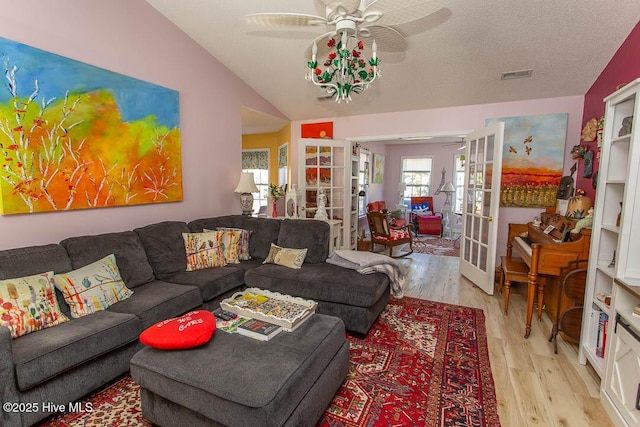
x=454 y=57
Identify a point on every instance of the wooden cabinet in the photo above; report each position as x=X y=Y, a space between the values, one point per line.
x=614 y=261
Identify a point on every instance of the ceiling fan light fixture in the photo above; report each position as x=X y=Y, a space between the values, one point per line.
x=345 y=69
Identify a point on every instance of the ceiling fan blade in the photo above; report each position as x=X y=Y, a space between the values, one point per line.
x=342 y=7
x=388 y=39
x=396 y=13
x=285 y=19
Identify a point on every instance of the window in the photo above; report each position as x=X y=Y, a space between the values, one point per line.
x=416 y=174
x=458 y=182
x=283 y=163
x=257 y=161
x=363 y=180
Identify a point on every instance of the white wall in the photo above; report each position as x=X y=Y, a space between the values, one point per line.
x=454 y=119
x=132 y=38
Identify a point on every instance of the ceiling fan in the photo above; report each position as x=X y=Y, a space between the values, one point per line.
x=352 y=22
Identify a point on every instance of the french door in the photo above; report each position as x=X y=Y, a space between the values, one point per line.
x=480 y=213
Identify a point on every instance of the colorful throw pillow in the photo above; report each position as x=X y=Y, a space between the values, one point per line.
x=243 y=245
x=204 y=250
x=190 y=330
x=230 y=241
x=287 y=257
x=28 y=304
x=93 y=287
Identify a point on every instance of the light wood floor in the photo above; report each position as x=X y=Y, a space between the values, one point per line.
x=534 y=386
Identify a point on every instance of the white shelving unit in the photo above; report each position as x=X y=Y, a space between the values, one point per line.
x=618 y=182
x=353 y=220
x=325 y=164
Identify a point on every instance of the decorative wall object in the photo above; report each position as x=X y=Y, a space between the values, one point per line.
x=378 y=168
x=532 y=161
x=317 y=130
x=75 y=136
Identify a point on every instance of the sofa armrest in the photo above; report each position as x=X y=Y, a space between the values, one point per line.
x=8 y=391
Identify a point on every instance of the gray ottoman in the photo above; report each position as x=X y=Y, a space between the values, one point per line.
x=238 y=381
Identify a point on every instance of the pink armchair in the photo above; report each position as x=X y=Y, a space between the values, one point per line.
x=424 y=219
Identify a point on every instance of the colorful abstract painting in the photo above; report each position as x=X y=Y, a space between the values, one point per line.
x=532 y=159
x=75 y=136
x=378 y=169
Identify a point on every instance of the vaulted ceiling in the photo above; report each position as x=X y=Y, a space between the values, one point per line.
x=455 y=56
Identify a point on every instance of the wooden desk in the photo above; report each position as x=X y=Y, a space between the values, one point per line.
x=545 y=257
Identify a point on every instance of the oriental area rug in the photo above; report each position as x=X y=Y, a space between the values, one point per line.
x=434 y=245
x=423 y=363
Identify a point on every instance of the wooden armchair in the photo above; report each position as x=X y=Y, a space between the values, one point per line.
x=383 y=234
x=381 y=206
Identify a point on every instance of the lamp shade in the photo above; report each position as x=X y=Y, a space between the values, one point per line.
x=448 y=188
x=246 y=183
x=402 y=187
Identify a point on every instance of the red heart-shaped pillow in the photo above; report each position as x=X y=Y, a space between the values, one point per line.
x=190 y=330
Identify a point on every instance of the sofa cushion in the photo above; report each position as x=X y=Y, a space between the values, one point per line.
x=164 y=246
x=32 y=260
x=28 y=304
x=93 y=287
x=230 y=244
x=264 y=231
x=243 y=242
x=286 y=257
x=321 y=282
x=187 y=331
x=313 y=235
x=158 y=300
x=45 y=354
x=130 y=255
x=204 y=250
x=211 y=282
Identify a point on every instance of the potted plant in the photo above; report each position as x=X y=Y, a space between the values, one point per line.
x=275 y=193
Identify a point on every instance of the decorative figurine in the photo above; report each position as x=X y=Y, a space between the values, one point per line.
x=321 y=211
x=626 y=126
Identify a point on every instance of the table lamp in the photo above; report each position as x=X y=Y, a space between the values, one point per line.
x=448 y=189
x=245 y=187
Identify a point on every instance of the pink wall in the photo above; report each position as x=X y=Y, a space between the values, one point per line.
x=132 y=38
x=454 y=119
x=623 y=67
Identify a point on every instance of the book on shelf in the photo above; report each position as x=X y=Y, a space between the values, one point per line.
x=603 y=322
x=258 y=329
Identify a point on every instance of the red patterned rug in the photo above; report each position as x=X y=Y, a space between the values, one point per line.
x=434 y=245
x=423 y=363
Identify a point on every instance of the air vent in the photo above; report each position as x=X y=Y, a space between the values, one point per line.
x=509 y=75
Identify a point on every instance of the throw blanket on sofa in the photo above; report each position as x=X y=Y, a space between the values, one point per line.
x=368 y=262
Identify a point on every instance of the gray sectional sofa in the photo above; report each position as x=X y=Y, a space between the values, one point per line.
x=62 y=364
